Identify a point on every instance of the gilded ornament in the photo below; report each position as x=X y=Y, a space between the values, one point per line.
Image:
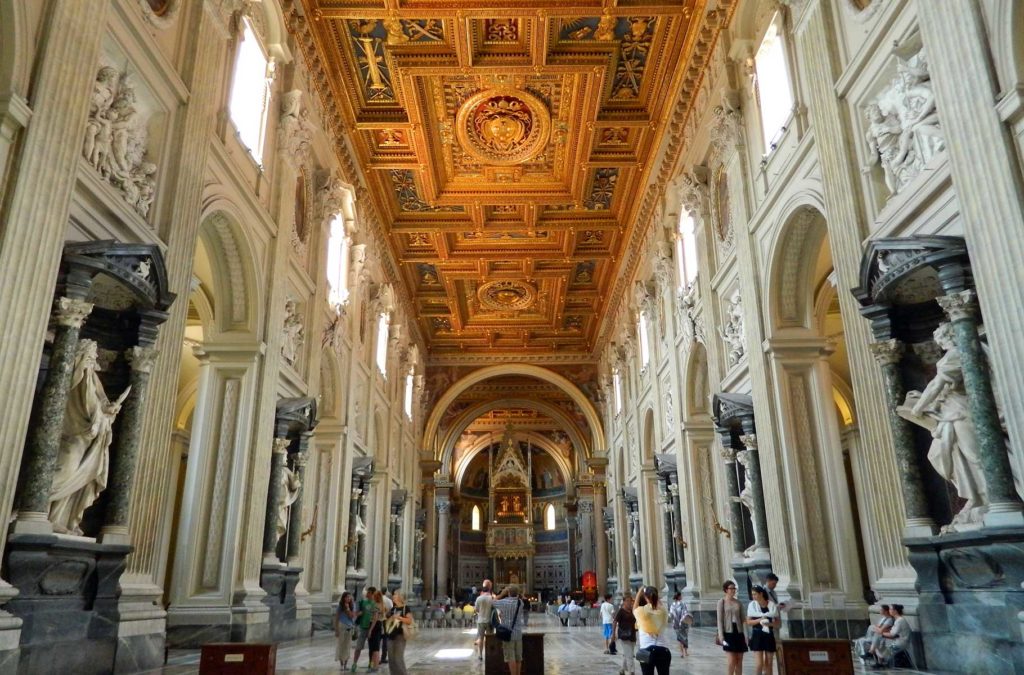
x=503 y=126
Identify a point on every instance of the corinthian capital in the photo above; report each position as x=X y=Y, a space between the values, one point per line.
x=142 y=359
x=959 y=306
x=887 y=352
x=693 y=191
x=71 y=312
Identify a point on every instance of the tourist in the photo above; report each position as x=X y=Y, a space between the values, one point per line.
x=399 y=617
x=483 y=607
x=681 y=622
x=651 y=619
x=574 y=613
x=625 y=630
x=376 y=636
x=512 y=616
x=895 y=639
x=866 y=646
x=364 y=619
x=344 y=624
x=731 y=620
x=607 y=619
x=763 y=616
x=771 y=581
x=388 y=606
x=563 y=612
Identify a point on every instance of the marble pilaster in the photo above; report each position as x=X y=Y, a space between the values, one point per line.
x=35 y=219
x=1004 y=503
x=443 y=511
x=984 y=163
x=888 y=354
x=586 y=516
x=125 y=450
x=603 y=566
x=43 y=444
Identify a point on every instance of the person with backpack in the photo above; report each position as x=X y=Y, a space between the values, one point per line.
x=624 y=628
x=511 y=618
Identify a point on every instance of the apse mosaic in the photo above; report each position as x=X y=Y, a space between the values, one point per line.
x=504 y=148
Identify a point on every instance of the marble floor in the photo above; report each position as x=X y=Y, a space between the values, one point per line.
x=448 y=651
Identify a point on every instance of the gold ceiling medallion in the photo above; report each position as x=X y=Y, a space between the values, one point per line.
x=506 y=295
x=503 y=126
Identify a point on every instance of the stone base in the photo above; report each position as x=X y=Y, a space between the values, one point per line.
x=417 y=588
x=970 y=600
x=68 y=602
x=612 y=586
x=394 y=583
x=323 y=614
x=675 y=581
x=749 y=573
x=192 y=627
x=287 y=620
x=825 y=624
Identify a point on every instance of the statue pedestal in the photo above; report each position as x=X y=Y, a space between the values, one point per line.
x=288 y=621
x=970 y=601
x=68 y=602
x=748 y=573
x=675 y=580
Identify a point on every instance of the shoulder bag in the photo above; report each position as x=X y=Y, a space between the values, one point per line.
x=505 y=634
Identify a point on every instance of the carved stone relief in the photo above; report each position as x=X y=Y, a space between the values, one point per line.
x=903 y=131
x=116 y=138
x=733 y=333
x=291 y=332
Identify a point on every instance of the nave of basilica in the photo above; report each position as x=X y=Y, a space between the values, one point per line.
x=306 y=296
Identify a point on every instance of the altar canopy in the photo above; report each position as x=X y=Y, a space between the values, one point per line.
x=511 y=532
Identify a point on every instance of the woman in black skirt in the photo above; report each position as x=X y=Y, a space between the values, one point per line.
x=732 y=621
x=763 y=617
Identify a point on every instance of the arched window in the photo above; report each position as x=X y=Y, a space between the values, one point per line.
x=407 y=406
x=382 y=343
x=774 y=93
x=645 y=347
x=337 y=261
x=686 y=251
x=476 y=519
x=549 y=517
x=250 y=91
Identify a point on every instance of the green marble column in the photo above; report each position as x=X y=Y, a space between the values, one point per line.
x=666 y=521
x=295 y=511
x=43 y=446
x=677 y=535
x=759 y=515
x=125 y=449
x=888 y=354
x=962 y=309
x=732 y=484
x=351 y=548
x=275 y=495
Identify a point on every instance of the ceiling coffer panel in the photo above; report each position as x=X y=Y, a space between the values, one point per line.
x=506 y=144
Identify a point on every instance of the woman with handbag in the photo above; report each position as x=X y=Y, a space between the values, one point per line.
x=651 y=619
x=625 y=629
x=399 y=628
x=731 y=620
x=344 y=626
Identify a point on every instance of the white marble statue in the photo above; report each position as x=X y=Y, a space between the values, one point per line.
x=84 y=459
x=732 y=332
x=290 y=485
x=903 y=124
x=291 y=333
x=116 y=139
x=943 y=409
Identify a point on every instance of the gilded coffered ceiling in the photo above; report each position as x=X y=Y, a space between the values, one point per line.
x=506 y=146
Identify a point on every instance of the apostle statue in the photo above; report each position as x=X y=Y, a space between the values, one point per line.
x=84 y=458
x=290 y=485
x=943 y=409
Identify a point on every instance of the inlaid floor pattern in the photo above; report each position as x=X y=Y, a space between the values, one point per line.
x=448 y=651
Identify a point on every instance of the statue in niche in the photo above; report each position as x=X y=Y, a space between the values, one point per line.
x=746 y=496
x=84 y=458
x=291 y=333
x=290 y=486
x=943 y=409
x=116 y=138
x=733 y=333
x=903 y=123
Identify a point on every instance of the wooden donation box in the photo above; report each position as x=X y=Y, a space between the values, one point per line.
x=238 y=658
x=533 y=655
x=814 y=657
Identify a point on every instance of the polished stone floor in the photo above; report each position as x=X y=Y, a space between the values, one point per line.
x=448 y=651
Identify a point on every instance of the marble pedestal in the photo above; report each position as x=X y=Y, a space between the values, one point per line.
x=417 y=588
x=322 y=614
x=749 y=573
x=675 y=581
x=394 y=583
x=68 y=602
x=288 y=621
x=971 y=601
